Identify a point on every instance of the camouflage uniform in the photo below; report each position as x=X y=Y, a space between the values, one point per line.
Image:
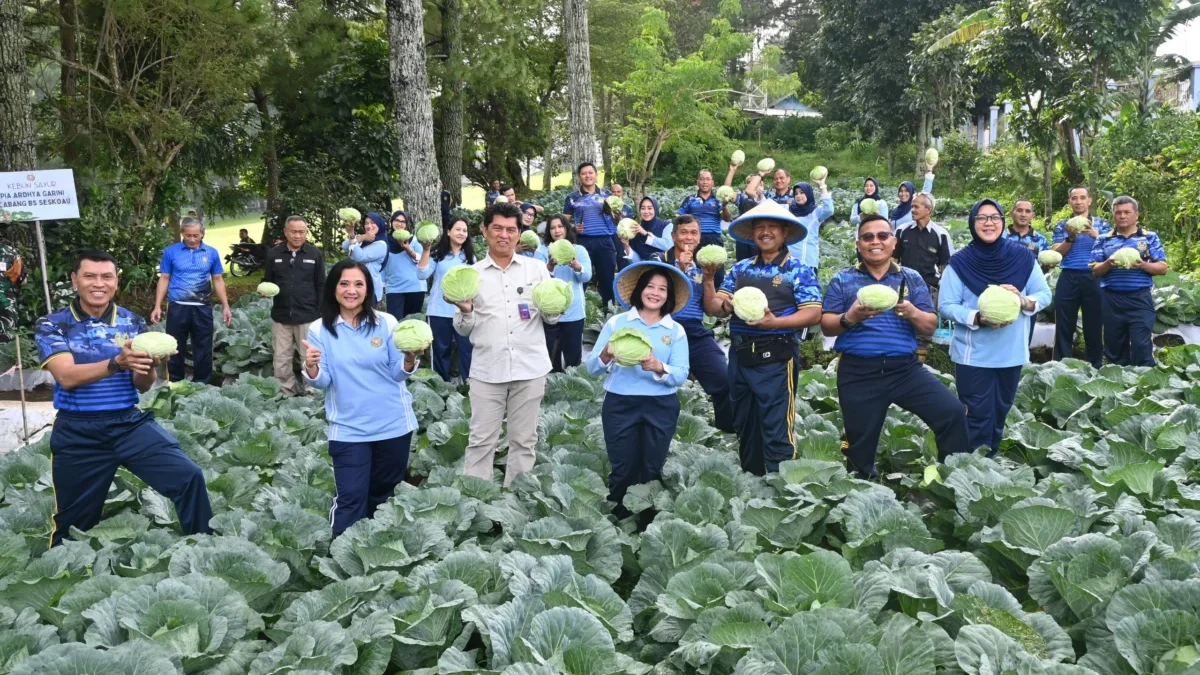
x=12 y=274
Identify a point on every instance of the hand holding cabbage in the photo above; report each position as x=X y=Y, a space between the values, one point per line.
x=999 y=306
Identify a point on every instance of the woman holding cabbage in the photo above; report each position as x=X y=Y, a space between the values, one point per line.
x=569 y=262
x=453 y=249
x=644 y=353
x=991 y=291
x=405 y=291
x=350 y=354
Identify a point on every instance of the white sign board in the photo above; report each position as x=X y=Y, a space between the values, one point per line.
x=38 y=195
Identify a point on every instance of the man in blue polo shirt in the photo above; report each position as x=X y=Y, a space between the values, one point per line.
x=1125 y=293
x=878 y=365
x=706 y=208
x=764 y=361
x=188 y=274
x=98 y=428
x=1077 y=289
x=1021 y=230
x=593 y=229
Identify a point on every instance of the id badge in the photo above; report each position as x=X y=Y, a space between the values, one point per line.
x=523 y=308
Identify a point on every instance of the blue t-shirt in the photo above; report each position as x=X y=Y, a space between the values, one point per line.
x=1080 y=255
x=587 y=209
x=191 y=272
x=884 y=334
x=90 y=340
x=400 y=271
x=707 y=211
x=1145 y=243
x=787 y=283
x=1034 y=241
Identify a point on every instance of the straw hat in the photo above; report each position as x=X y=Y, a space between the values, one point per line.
x=628 y=279
x=742 y=227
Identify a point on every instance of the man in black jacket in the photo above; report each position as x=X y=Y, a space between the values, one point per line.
x=298 y=268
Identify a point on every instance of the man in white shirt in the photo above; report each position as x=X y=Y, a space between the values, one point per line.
x=509 y=359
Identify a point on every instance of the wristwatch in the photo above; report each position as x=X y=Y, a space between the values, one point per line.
x=113 y=366
x=845 y=324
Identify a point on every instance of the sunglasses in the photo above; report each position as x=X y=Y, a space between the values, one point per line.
x=872 y=236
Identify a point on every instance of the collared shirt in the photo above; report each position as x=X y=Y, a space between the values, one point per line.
x=1033 y=240
x=924 y=249
x=788 y=284
x=372 y=255
x=785 y=199
x=707 y=211
x=191 y=273
x=437 y=304
x=1145 y=243
x=669 y=343
x=884 y=334
x=490 y=198
x=587 y=209
x=808 y=249
x=1080 y=255
x=90 y=339
x=577 y=311
x=988 y=347
x=400 y=271
x=362 y=373
x=694 y=310
x=300 y=276
x=509 y=344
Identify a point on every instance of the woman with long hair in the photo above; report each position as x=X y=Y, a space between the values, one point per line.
x=641 y=407
x=564 y=340
x=350 y=354
x=870 y=191
x=454 y=248
x=405 y=290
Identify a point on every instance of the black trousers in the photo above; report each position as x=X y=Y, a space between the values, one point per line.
x=564 y=341
x=764 y=411
x=604 y=263
x=988 y=394
x=1078 y=290
x=366 y=474
x=710 y=368
x=637 y=432
x=401 y=305
x=195 y=322
x=1128 y=327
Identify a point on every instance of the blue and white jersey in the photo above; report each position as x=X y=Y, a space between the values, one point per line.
x=90 y=339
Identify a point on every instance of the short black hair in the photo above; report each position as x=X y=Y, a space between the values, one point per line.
x=582 y=165
x=872 y=218
x=93 y=256
x=635 y=298
x=505 y=188
x=1079 y=187
x=243 y=230
x=684 y=220
x=503 y=210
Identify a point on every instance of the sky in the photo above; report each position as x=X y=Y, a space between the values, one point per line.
x=1186 y=43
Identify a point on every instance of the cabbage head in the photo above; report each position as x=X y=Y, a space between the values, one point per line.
x=766 y=164
x=878 y=297
x=750 y=304
x=267 y=289
x=627 y=229
x=726 y=194
x=155 y=344
x=552 y=297
x=500 y=200
x=412 y=335
x=615 y=204
x=629 y=346
x=931 y=157
x=563 y=252
x=529 y=239
x=401 y=235
x=1078 y=224
x=868 y=207
x=460 y=283
x=818 y=174
x=1126 y=257
x=711 y=255
x=998 y=305
x=1050 y=258
x=738 y=158
x=427 y=232
x=349 y=215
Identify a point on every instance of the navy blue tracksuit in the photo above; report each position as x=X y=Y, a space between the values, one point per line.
x=1078 y=290
x=989 y=393
x=445 y=338
x=604 y=262
x=564 y=341
x=366 y=474
x=637 y=432
x=196 y=322
x=710 y=368
x=764 y=411
x=1128 y=326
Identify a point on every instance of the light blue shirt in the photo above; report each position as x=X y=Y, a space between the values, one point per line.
x=400 y=273
x=906 y=219
x=576 y=312
x=437 y=304
x=362 y=373
x=372 y=256
x=855 y=219
x=986 y=347
x=808 y=249
x=668 y=340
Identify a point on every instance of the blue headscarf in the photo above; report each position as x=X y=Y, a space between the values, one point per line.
x=382 y=234
x=1003 y=261
x=393 y=245
x=808 y=206
x=874 y=195
x=903 y=207
x=654 y=226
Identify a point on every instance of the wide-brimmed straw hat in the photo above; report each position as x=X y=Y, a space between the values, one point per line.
x=628 y=278
x=742 y=227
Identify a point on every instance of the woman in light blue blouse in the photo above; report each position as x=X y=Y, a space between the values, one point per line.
x=350 y=354
x=454 y=248
x=811 y=214
x=870 y=191
x=989 y=356
x=369 y=249
x=641 y=407
x=902 y=214
x=405 y=290
x=564 y=340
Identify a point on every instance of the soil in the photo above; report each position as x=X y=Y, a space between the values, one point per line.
x=39 y=393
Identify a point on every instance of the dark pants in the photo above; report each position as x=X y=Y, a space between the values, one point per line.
x=764 y=411
x=401 y=305
x=366 y=474
x=604 y=263
x=710 y=368
x=742 y=251
x=87 y=448
x=715 y=239
x=866 y=387
x=444 y=339
x=637 y=432
x=988 y=394
x=195 y=322
x=619 y=248
x=564 y=341
x=1128 y=327
x=1078 y=290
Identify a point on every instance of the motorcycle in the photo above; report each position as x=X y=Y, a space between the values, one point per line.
x=246 y=259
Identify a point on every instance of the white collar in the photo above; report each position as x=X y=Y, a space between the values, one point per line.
x=665 y=322
x=341 y=319
x=517 y=259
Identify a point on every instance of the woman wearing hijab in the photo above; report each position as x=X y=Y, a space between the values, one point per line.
x=641 y=407
x=405 y=290
x=653 y=233
x=870 y=191
x=989 y=356
x=564 y=340
x=369 y=249
x=902 y=214
x=454 y=248
x=811 y=214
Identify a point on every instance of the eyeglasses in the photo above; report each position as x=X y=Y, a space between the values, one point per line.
x=872 y=236
x=990 y=218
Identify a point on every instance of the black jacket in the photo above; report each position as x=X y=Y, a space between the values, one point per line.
x=300 y=281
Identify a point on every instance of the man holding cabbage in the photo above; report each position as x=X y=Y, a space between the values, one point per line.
x=1125 y=261
x=772 y=297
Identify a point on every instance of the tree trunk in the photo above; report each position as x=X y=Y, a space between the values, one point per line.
x=548 y=157
x=512 y=166
x=450 y=150
x=579 y=82
x=414 y=110
x=271 y=162
x=922 y=141
x=1048 y=186
x=891 y=161
x=18 y=138
x=606 y=136
x=68 y=79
